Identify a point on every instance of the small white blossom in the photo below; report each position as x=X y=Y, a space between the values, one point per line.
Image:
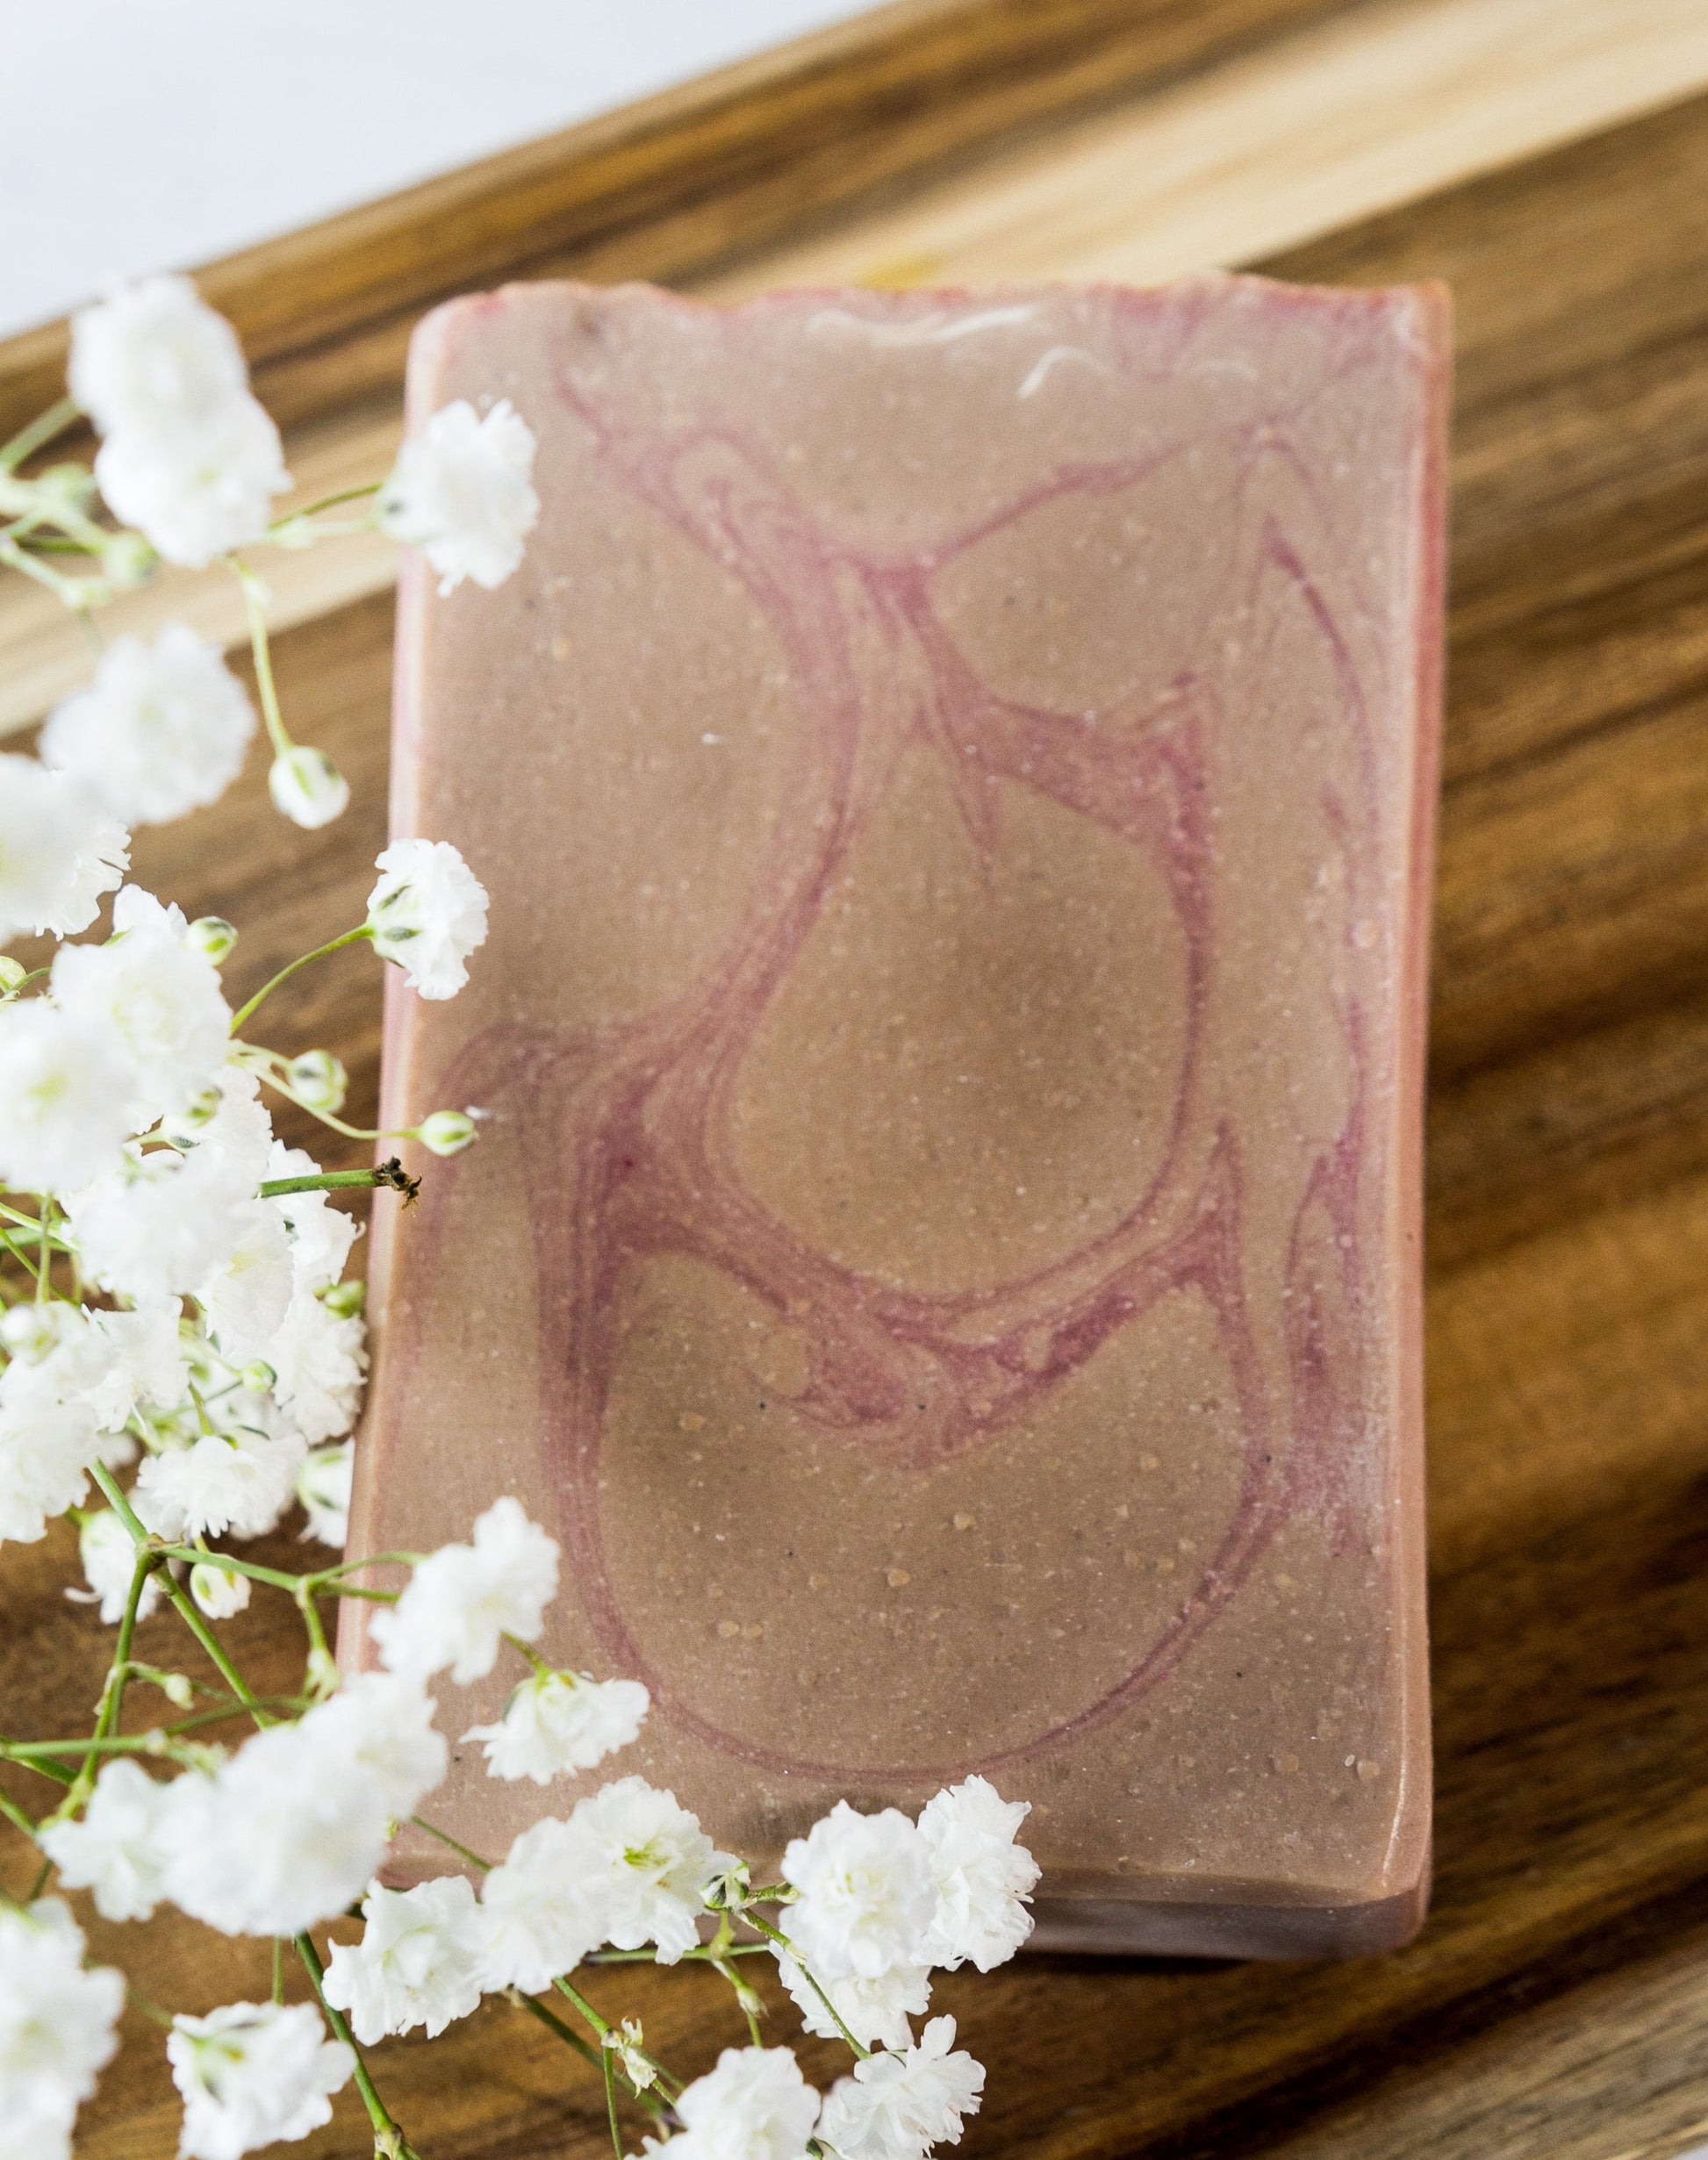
x=416 y=1962
x=307 y=787
x=876 y=2011
x=162 y=1226
x=153 y=360
x=45 y=1451
x=57 y=2025
x=239 y=1483
x=245 y=1299
x=983 y=1876
x=383 y=1724
x=897 y=2106
x=319 y=1362
x=108 y=1554
x=188 y=456
x=462 y=1600
x=755 y=2106
x=158 y=1001
x=292 y=1829
x=252 y=2074
x=321 y=1234
x=160 y=731
x=538 y=1917
x=867 y=1893
x=462 y=490
x=65 y=1091
x=561 y=1721
x=59 y=851
x=646 y=1861
x=222 y=1593
x=116 y=1851
x=428 y=912
x=323 y=1486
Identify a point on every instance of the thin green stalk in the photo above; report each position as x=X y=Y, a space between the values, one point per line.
x=278 y=1969
x=350 y=938
x=776 y=1935
x=388 y=2138
x=15 y=1815
x=611 y=2102
x=571 y=1994
x=338 y=1180
x=327 y=502
x=40 y=433
x=445 y=1838
x=263 y=655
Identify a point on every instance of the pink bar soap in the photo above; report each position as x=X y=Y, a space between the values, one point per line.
x=955 y=775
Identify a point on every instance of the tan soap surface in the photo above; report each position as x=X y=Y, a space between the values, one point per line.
x=954 y=777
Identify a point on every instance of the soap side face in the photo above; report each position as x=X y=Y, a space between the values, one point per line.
x=955 y=776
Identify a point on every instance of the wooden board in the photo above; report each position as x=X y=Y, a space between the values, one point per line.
x=1554 y=2003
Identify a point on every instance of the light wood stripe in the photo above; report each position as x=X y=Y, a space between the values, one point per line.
x=1316 y=131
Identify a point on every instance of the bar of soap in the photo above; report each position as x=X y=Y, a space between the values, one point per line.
x=955 y=775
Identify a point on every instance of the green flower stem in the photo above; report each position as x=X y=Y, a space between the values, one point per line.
x=388 y=2138
x=15 y=1815
x=350 y=938
x=445 y=1838
x=74 y=592
x=40 y=433
x=328 y=502
x=704 y=1953
x=776 y=1935
x=391 y=1175
x=183 y=1601
x=611 y=2102
x=571 y=2039
x=255 y=606
x=602 y=2026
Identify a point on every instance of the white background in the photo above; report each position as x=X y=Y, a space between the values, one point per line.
x=148 y=134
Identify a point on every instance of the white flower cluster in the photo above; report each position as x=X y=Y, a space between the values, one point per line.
x=188 y=455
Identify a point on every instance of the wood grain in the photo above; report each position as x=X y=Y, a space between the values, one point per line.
x=1336 y=115
x=1553 y=2006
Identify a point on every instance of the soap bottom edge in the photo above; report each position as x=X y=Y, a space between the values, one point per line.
x=1116 y=1927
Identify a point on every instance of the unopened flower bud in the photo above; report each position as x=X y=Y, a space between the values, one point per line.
x=318 y=1082
x=322 y=1674
x=127 y=561
x=258 y=1376
x=346 y=1299
x=178 y=1687
x=447 y=1133
x=220 y=1591
x=727 y=1892
x=11 y=974
x=210 y=936
x=183 y=1126
x=307 y=787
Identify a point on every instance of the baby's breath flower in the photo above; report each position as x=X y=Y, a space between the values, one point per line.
x=416 y=1962
x=645 y=1862
x=157 y=1000
x=239 y=1483
x=875 y=2010
x=867 y=1893
x=462 y=1600
x=66 y=1096
x=898 y=2106
x=983 y=1876
x=428 y=913
x=59 y=851
x=538 y=1918
x=108 y=1554
x=57 y=2018
x=188 y=454
x=253 y=2073
x=162 y=730
x=463 y=492
x=117 y=1850
x=307 y=787
x=755 y=2106
x=555 y=1722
